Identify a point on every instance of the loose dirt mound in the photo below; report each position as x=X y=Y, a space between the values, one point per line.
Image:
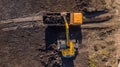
x=17 y=8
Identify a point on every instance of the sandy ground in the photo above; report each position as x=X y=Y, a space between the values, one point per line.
x=117 y=34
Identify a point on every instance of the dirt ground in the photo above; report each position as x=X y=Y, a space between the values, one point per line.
x=26 y=47
x=104 y=48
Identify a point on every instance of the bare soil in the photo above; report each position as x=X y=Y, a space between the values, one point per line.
x=26 y=47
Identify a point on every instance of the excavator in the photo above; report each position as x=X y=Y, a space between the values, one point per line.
x=68 y=48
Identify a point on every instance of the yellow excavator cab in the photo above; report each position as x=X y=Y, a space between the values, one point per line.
x=70 y=52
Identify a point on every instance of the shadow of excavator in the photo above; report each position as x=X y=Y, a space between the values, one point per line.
x=54 y=33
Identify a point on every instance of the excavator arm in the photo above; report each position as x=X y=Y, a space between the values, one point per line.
x=67 y=31
x=69 y=50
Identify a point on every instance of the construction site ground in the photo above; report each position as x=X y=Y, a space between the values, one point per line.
x=26 y=47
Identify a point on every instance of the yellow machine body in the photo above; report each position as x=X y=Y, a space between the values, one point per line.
x=69 y=52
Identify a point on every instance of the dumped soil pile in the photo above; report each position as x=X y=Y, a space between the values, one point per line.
x=17 y=8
